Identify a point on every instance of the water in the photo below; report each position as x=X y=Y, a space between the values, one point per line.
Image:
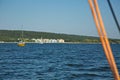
x=55 y=62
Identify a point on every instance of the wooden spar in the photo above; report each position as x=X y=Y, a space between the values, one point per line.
x=103 y=37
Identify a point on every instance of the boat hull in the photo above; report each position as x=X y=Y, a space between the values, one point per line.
x=21 y=44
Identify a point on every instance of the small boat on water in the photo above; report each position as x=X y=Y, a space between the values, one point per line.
x=21 y=43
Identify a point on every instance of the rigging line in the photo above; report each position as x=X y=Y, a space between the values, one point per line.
x=103 y=37
x=114 y=16
x=113 y=65
x=99 y=30
x=100 y=33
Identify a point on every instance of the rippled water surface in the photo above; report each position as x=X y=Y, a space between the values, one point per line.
x=55 y=62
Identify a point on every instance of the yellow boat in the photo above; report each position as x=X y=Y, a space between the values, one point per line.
x=21 y=44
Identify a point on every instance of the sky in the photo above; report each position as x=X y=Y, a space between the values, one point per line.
x=58 y=16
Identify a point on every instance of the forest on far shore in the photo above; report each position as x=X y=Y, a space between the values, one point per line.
x=13 y=35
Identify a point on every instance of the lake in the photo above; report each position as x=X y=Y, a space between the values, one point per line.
x=55 y=62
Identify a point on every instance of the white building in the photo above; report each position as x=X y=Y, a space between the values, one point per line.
x=60 y=40
x=48 y=40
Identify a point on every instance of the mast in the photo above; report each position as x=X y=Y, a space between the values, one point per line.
x=22 y=34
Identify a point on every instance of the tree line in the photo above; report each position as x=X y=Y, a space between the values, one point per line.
x=13 y=35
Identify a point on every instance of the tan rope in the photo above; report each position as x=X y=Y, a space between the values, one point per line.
x=103 y=37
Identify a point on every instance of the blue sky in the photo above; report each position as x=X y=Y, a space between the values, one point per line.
x=59 y=16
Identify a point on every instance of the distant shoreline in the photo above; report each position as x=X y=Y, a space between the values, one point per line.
x=12 y=36
x=58 y=43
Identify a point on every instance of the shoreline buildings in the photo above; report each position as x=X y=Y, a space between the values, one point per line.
x=48 y=40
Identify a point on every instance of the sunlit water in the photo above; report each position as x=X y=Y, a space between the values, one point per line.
x=55 y=62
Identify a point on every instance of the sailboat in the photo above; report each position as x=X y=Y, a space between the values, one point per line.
x=21 y=43
x=41 y=41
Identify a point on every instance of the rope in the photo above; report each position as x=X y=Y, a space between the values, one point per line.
x=116 y=21
x=103 y=37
